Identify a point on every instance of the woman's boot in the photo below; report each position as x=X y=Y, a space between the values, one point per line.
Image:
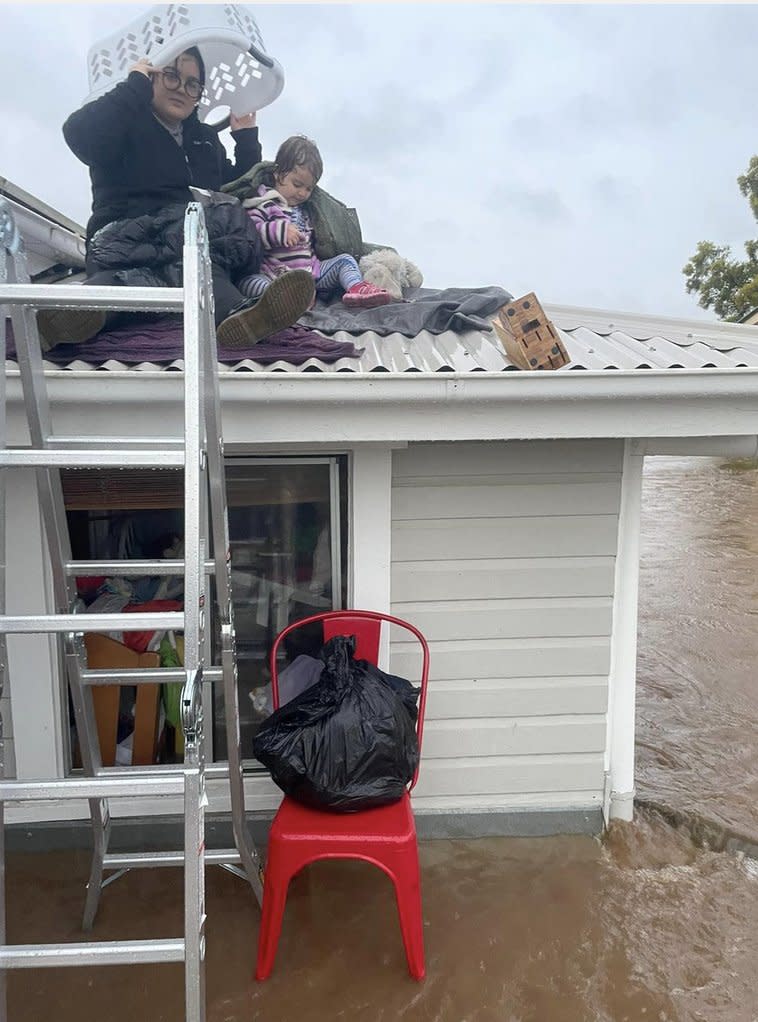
x=282 y=303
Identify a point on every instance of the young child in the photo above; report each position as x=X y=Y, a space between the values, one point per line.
x=281 y=218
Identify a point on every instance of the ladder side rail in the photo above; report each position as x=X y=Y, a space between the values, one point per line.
x=10 y=240
x=92 y=763
x=197 y=297
x=195 y=800
x=242 y=837
x=52 y=507
x=217 y=490
x=84 y=709
x=39 y=421
x=196 y=285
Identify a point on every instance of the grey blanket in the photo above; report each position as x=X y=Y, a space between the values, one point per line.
x=459 y=309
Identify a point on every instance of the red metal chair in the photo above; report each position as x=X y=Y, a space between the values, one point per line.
x=385 y=836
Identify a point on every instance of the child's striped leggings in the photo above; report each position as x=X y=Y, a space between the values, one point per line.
x=341 y=273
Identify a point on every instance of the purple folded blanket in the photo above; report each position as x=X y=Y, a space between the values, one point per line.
x=161 y=340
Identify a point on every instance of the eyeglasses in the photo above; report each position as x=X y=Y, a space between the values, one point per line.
x=173 y=82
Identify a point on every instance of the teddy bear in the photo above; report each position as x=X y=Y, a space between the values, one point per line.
x=385 y=268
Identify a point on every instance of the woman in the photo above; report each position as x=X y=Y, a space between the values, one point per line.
x=145 y=146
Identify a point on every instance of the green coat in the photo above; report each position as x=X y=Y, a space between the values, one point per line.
x=336 y=227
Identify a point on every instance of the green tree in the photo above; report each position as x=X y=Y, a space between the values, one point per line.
x=724 y=284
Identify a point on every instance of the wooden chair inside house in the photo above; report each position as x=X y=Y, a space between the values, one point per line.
x=385 y=836
x=104 y=652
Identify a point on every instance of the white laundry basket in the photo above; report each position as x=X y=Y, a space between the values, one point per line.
x=240 y=75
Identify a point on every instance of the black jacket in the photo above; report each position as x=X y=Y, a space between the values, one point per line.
x=146 y=251
x=135 y=165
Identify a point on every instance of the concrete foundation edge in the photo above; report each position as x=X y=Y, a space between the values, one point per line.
x=163 y=833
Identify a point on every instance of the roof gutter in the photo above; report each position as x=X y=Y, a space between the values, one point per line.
x=281 y=408
x=64 y=246
x=442 y=387
x=447 y=386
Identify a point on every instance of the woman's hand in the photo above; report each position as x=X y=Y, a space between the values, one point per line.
x=145 y=68
x=243 y=121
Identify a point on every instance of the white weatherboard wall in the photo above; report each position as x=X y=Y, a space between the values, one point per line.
x=503 y=554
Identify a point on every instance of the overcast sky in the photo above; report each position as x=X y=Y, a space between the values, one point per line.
x=580 y=151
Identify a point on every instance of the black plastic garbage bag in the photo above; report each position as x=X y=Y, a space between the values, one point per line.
x=349 y=741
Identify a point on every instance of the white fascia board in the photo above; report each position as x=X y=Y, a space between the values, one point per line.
x=290 y=408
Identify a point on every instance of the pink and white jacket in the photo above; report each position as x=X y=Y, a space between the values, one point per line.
x=271 y=214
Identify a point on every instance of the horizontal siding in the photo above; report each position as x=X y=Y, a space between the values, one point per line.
x=517 y=457
x=532 y=658
x=524 y=736
x=503 y=555
x=539 y=536
x=490 y=775
x=515 y=697
x=471 y=499
x=511 y=619
x=502 y=578
x=577 y=799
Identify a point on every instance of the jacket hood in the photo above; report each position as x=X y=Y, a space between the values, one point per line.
x=266 y=195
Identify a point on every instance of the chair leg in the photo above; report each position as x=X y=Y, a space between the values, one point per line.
x=275 y=885
x=408 y=894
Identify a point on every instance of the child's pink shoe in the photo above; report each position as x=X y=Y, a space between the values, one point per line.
x=366 y=296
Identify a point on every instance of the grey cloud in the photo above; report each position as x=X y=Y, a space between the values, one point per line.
x=612 y=190
x=543 y=204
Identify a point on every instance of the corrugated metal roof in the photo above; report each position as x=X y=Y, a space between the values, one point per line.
x=594 y=339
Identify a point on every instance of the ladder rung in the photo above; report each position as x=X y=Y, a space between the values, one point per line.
x=131 y=569
x=146 y=860
x=19 y=457
x=133 y=784
x=30 y=623
x=144 y=675
x=120 y=773
x=89 y=296
x=110 y=952
x=75 y=443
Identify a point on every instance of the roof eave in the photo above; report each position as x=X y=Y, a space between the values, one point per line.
x=265 y=409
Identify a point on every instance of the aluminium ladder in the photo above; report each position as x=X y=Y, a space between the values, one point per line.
x=200 y=454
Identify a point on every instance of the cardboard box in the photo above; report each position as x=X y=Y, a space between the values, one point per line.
x=105 y=653
x=529 y=338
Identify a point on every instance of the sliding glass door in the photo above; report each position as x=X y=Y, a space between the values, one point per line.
x=287 y=520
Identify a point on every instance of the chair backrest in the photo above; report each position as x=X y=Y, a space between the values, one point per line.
x=366 y=626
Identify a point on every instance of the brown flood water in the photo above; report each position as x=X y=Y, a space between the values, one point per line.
x=697 y=710
x=643 y=925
